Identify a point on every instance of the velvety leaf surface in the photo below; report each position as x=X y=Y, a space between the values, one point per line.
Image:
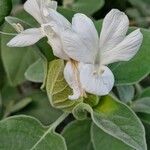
x=41 y=109
x=57 y=88
x=77 y=135
x=100 y=139
x=16 y=60
x=35 y=72
x=142 y=105
x=126 y=92
x=26 y=133
x=118 y=120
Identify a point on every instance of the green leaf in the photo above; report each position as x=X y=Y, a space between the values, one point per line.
x=100 y=139
x=35 y=72
x=88 y=7
x=21 y=104
x=5 y=6
x=147 y=129
x=117 y=120
x=77 y=135
x=80 y=111
x=57 y=88
x=22 y=132
x=2 y=73
x=128 y=72
x=142 y=105
x=146 y=121
x=12 y=108
x=41 y=109
x=126 y=93
x=16 y=60
x=91 y=99
x=12 y=96
x=145 y=92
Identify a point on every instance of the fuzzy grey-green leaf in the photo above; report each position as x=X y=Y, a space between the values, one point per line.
x=118 y=120
x=35 y=72
x=77 y=135
x=100 y=139
x=26 y=133
x=57 y=88
x=142 y=105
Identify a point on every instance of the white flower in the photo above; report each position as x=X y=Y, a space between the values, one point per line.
x=87 y=53
x=82 y=44
x=44 y=11
x=52 y=25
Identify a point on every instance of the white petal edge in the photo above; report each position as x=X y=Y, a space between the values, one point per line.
x=26 y=38
x=33 y=8
x=52 y=32
x=85 y=28
x=96 y=84
x=51 y=15
x=114 y=29
x=70 y=77
x=125 y=50
x=52 y=4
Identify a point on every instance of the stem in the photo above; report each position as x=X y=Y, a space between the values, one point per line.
x=58 y=121
x=52 y=127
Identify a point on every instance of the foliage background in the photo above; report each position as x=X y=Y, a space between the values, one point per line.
x=22 y=71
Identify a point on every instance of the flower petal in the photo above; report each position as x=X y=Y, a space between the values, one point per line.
x=26 y=38
x=52 y=4
x=114 y=29
x=81 y=43
x=70 y=77
x=75 y=48
x=54 y=39
x=56 y=45
x=125 y=50
x=33 y=8
x=99 y=84
x=53 y=16
x=85 y=28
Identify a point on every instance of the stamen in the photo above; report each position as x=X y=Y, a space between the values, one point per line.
x=18 y=27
